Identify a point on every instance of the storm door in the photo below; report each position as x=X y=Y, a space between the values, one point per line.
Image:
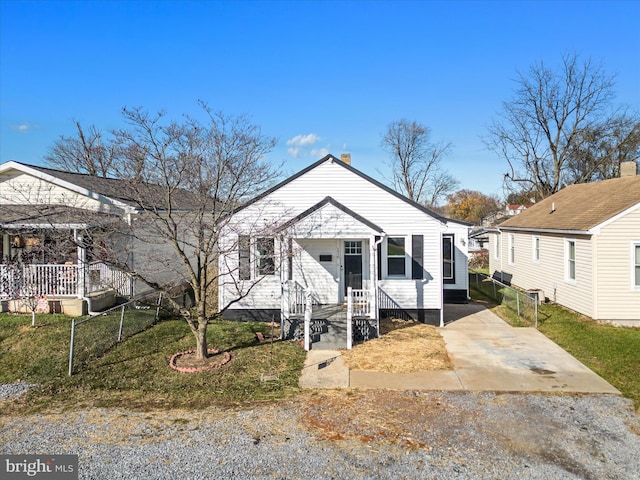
x=352 y=265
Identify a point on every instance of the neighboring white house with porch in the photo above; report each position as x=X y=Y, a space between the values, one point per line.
x=46 y=217
x=334 y=236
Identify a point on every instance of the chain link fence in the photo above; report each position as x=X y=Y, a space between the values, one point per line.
x=524 y=304
x=93 y=336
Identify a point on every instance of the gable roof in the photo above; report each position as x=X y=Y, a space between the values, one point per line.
x=339 y=206
x=120 y=192
x=339 y=162
x=580 y=207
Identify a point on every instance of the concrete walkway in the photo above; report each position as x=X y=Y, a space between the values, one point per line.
x=487 y=355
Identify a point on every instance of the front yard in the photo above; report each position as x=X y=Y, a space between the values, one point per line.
x=137 y=374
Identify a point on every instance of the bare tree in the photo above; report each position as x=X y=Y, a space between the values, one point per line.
x=559 y=128
x=415 y=162
x=90 y=151
x=185 y=178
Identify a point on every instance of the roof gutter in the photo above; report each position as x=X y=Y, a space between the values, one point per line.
x=547 y=230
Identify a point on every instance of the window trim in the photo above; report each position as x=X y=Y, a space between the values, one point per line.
x=496 y=250
x=568 y=261
x=512 y=248
x=536 y=248
x=452 y=277
x=404 y=256
x=635 y=265
x=269 y=266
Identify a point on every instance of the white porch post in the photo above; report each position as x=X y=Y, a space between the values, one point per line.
x=82 y=262
x=308 y=310
x=349 y=318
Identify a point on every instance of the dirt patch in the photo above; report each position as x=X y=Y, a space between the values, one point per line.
x=403 y=347
x=402 y=418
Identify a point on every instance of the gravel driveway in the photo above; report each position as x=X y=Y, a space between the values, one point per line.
x=372 y=434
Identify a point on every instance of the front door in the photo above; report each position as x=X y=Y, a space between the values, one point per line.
x=352 y=265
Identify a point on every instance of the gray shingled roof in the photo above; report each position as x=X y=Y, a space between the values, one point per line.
x=580 y=207
x=127 y=191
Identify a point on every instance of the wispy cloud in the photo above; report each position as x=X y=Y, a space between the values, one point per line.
x=22 y=128
x=297 y=143
x=320 y=152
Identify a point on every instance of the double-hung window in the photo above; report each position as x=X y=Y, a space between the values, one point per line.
x=448 y=260
x=512 y=248
x=265 y=248
x=396 y=257
x=536 y=249
x=635 y=252
x=571 y=259
x=262 y=255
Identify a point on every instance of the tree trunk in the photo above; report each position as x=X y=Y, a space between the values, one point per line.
x=202 y=350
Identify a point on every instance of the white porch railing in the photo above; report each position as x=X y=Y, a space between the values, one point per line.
x=102 y=276
x=293 y=299
x=18 y=280
x=359 y=307
x=53 y=280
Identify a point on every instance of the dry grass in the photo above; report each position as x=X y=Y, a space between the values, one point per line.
x=403 y=347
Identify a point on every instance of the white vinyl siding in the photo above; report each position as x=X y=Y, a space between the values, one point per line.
x=549 y=274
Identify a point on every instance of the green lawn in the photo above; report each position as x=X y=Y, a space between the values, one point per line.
x=612 y=352
x=136 y=374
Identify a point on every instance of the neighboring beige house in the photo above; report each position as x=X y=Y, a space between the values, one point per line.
x=579 y=247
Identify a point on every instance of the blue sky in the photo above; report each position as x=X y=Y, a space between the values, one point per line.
x=321 y=76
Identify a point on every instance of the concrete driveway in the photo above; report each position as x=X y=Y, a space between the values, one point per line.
x=487 y=355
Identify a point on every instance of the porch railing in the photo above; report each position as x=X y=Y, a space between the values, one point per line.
x=293 y=299
x=102 y=276
x=52 y=280
x=359 y=309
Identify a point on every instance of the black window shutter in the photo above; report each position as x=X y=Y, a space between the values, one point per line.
x=417 y=254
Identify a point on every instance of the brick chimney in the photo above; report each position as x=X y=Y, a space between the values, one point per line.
x=628 y=169
x=346 y=158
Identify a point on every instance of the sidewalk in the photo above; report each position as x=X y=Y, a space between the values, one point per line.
x=487 y=355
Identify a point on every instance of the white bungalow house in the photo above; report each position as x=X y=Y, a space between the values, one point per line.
x=337 y=244
x=579 y=247
x=46 y=219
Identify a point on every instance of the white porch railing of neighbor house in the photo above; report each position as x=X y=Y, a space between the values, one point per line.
x=102 y=276
x=17 y=280
x=55 y=280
